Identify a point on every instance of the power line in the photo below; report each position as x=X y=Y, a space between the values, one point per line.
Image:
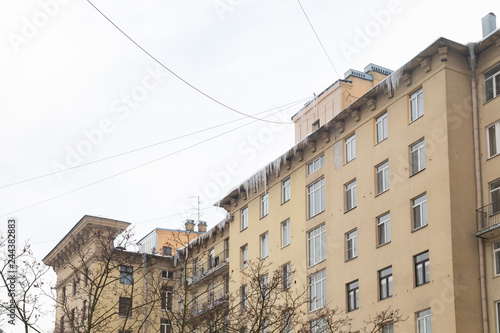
x=285 y=106
x=319 y=40
x=131 y=169
x=180 y=78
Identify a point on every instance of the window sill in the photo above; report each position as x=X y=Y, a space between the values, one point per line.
x=263 y=216
x=378 y=194
x=353 y=208
x=491 y=157
x=379 y=142
x=287 y=245
x=416 y=173
x=284 y=202
x=348 y=311
x=243 y=229
x=310 y=218
x=319 y=262
x=414 y=120
x=311 y=311
x=379 y=246
x=423 y=284
x=347 y=162
x=383 y=299
x=419 y=228
x=347 y=260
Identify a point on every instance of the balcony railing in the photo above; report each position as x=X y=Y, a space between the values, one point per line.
x=489 y=215
x=211 y=266
x=210 y=300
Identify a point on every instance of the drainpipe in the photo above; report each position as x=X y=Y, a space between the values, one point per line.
x=145 y=292
x=479 y=187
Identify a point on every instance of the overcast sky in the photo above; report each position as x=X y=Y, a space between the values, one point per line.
x=74 y=90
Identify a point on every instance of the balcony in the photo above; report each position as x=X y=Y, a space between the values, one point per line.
x=212 y=265
x=489 y=216
x=211 y=300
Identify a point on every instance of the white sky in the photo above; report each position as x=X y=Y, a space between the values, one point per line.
x=66 y=71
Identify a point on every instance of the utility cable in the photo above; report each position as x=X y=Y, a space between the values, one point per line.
x=131 y=169
x=319 y=40
x=180 y=78
x=145 y=147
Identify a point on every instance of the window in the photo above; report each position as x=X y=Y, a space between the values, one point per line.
x=497 y=312
x=285 y=190
x=385 y=282
x=316 y=198
x=64 y=292
x=350 y=195
x=317 y=290
x=264 y=245
x=84 y=311
x=350 y=148
x=285 y=233
x=61 y=324
x=264 y=204
x=416 y=105
x=492 y=83
x=422 y=275
x=244 y=218
x=424 y=324
x=351 y=245
x=419 y=205
x=195 y=267
x=315 y=165
x=382 y=175
x=195 y=301
x=496 y=256
x=75 y=282
x=126 y=274
x=226 y=285
x=417 y=157
x=264 y=286
x=387 y=328
x=211 y=261
x=226 y=249
x=265 y=325
x=383 y=229
x=125 y=307
x=353 y=296
x=167 y=298
x=318 y=325
x=244 y=296
x=316 y=241
x=167 y=251
x=287 y=321
x=495 y=197
x=381 y=128
x=286 y=275
x=244 y=256
x=493 y=138
x=165 y=326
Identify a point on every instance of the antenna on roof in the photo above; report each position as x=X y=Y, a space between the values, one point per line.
x=198 y=206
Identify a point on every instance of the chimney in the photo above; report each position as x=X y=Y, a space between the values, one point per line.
x=489 y=24
x=202 y=226
x=189 y=225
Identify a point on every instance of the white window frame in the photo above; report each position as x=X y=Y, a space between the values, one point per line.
x=382 y=177
x=167 y=296
x=419 y=204
x=387 y=328
x=315 y=165
x=422 y=266
x=285 y=233
x=424 y=320
x=286 y=272
x=318 y=325
x=287 y=321
x=496 y=257
x=350 y=148
x=165 y=326
x=264 y=245
x=316 y=245
x=417 y=157
x=416 y=105
x=493 y=75
x=352 y=289
x=244 y=218
x=244 y=256
x=351 y=245
x=350 y=195
x=316 y=198
x=497 y=315
x=286 y=192
x=317 y=290
x=384 y=229
x=385 y=283
x=244 y=296
x=493 y=143
x=264 y=204
x=495 y=197
x=381 y=128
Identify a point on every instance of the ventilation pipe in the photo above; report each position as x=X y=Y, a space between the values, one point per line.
x=489 y=24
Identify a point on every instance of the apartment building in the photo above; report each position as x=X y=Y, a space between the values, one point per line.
x=102 y=286
x=394 y=201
